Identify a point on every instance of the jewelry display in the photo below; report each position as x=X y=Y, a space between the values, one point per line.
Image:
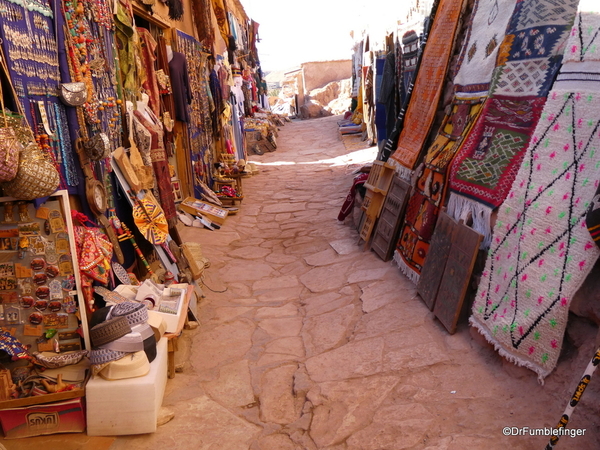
x=90 y=42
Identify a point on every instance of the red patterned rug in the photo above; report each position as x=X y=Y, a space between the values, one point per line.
x=428 y=197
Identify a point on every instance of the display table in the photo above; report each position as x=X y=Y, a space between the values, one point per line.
x=127 y=406
x=173 y=337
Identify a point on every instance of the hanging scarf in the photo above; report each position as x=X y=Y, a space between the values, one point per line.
x=221 y=15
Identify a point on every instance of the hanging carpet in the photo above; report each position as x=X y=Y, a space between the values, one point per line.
x=428 y=86
x=477 y=58
x=474 y=74
x=541 y=250
x=486 y=165
x=430 y=190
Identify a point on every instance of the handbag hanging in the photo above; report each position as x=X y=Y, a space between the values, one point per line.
x=73 y=94
x=35 y=176
x=10 y=145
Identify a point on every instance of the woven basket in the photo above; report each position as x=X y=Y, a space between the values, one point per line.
x=37 y=177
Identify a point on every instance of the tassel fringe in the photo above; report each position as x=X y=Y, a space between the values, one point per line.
x=404 y=172
x=541 y=374
x=406 y=269
x=462 y=208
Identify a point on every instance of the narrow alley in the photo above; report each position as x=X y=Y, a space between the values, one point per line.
x=305 y=341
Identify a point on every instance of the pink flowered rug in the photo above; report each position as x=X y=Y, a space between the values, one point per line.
x=541 y=250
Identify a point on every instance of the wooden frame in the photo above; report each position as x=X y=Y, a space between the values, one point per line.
x=62 y=197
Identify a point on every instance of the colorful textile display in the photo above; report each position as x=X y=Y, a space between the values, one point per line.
x=148 y=75
x=429 y=84
x=430 y=190
x=153 y=128
x=410 y=55
x=541 y=250
x=406 y=92
x=12 y=346
x=474 y=75
x=220 y=11
x=348 y=205
x=477 y=58
x=487 y=163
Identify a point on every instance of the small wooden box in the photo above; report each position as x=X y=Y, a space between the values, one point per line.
x=195 y=206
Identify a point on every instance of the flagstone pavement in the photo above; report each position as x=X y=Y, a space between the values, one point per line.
x=306 y=341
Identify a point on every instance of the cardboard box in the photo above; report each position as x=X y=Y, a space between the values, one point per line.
x=49 y=418
x=129 y=406
x=195 y=206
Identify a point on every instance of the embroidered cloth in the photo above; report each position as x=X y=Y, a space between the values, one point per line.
x=541 y=250
x=430 y=191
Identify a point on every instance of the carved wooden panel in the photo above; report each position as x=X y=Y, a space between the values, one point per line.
x=435 y=262
x=457 y=274
x=388 y=227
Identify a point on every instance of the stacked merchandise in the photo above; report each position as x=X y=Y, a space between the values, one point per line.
x=123 y=341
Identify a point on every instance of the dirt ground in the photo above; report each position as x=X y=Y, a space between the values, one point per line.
x=306 y=341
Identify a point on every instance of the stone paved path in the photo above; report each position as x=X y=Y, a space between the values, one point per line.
x=306 y=342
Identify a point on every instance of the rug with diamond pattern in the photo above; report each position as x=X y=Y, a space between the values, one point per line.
x=541 y=250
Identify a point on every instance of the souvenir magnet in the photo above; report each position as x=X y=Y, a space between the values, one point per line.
x=37 y=245
x=56 y=320
x=69 y=305
x=23 y=247
x=51 y=255
x=42 y=292
x=7 y=269
x=25 y=285
x=36 y=318
x=68 y=284
x=27 y=302
x=9 y=297
x=23 y=212
x=11 y=315
x=62 y=243
x=55 y=306
x=42 y=212
x=29 y=229
x=23 y=271
x=41 y=305
x=39 y=278
x=8 y=243
x=38 y=264
x=8 y=283
x=52 y=271
x=57 y=224
x=8 y=212
x=56 y=292
x=66 y=266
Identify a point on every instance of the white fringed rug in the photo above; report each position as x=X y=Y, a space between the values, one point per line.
x=541 y=250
